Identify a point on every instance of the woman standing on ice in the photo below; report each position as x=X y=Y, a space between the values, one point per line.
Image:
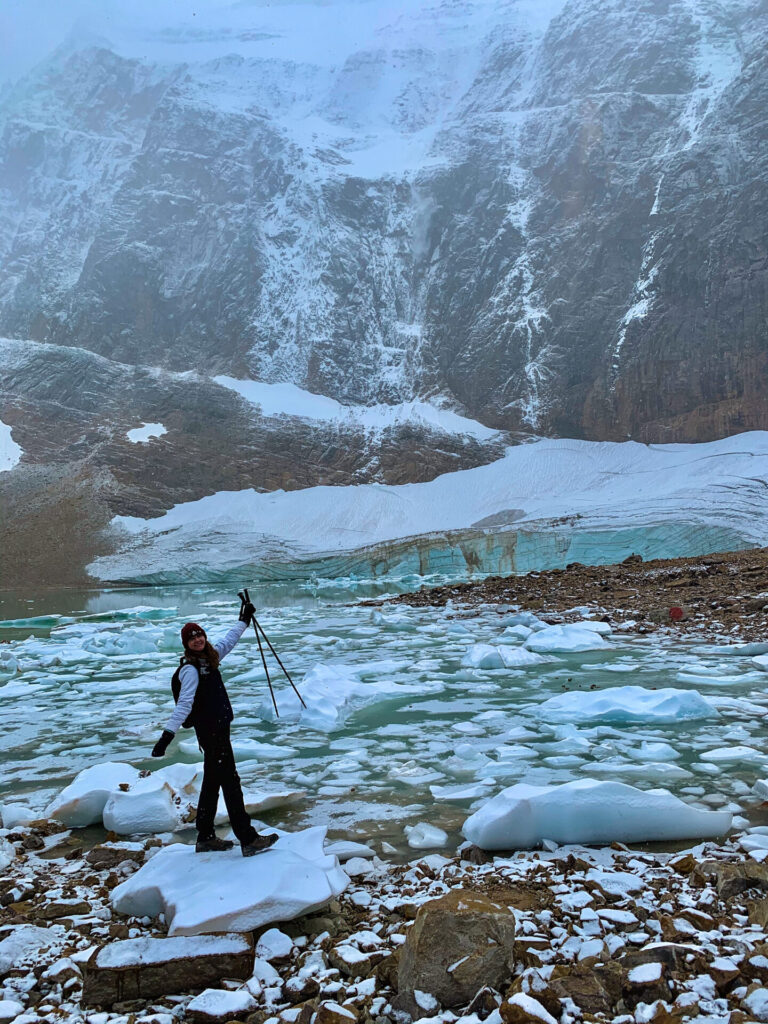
x=204 y=703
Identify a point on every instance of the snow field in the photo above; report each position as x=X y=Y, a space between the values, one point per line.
x=406 y=724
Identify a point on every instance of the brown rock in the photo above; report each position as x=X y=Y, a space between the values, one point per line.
x=64 y=908
x=515 y=1013
x=484 y=1003
x=349 y=962
x=594 y=989
x=104 y=858
x=731 y=879
x=646 y=991
x=676 y=956
x=758 y=912
x=146 y=968
x=332 y=1013
x=298 y=990
x=457 y=944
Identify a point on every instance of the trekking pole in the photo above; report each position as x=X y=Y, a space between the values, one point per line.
x=261 y=652
x=258 y=626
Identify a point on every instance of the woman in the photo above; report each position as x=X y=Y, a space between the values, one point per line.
x=204 y=703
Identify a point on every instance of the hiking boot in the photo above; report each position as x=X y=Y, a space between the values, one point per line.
x=259 y=844
x=213 y=845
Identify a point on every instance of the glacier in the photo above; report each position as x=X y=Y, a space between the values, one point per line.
x=542 y=505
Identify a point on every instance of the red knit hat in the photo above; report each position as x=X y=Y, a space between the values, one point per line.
x=189 y=631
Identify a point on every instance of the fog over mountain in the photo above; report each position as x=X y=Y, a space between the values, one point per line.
x=548 y=216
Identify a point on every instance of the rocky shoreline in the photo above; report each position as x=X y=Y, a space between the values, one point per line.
x=565 y=934
x=724 y=592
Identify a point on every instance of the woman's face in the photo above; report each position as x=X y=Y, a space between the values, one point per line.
x=197 y=643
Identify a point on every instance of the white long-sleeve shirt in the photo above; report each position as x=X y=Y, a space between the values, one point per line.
x=189 y=678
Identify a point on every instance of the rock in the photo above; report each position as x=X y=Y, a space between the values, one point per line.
x=731 y=879
x=62 y=908
x=524 y=1009
x=594 y=989
x=146 y=967
x=104 y=858
x=457 y=944
x=485 y=1002
x=329 y=1012
x=349 y=961
x=475 y=855
x=758 y=912
x=646 y=983
x=220 y=1005
x=299 y=989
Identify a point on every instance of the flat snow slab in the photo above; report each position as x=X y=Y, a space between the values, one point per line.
x=219 y=892
x=588 y=811
x=146 y=950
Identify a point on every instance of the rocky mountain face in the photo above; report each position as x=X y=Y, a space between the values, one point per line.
x=550 y=215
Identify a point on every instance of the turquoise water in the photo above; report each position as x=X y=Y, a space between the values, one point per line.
x=85 y=678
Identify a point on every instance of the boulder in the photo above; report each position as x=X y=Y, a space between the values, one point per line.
x=524 y=1009
x=594 y=989
x=457 y=944
x=731 y=879
x=329 y=1012
x=145 y=968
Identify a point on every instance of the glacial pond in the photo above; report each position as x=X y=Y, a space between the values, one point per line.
x=402 y=726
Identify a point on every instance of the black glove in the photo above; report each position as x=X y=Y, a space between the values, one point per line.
x=247 y=611
x=162 y=744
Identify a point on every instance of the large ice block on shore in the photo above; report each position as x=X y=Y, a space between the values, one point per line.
x=626 y=704
x=587 y=811
x=201 y=893
x=82 y=801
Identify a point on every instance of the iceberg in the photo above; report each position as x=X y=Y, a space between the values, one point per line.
x=624 y=704
x=200 y=893
x=572 y=638
x=521 y=817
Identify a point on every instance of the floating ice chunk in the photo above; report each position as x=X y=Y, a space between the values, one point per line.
x=424 y=836
x=82 y=801
x=747 y=650
x=127 y=641
x=760 y=789
x=220 y=892
x=460 y=793
x=587 y=811
x=246 y=749
x=653 y=750
x=17 y=814
x=595 y=625
x=329 y=689
x=568 y=639
x=413 y=774
x=488 y=656
x=258 y=800
x=482 y=656
x=737 y=753
x=519 y=657
x=521 y=632
x=626 y=704
x=761 y=662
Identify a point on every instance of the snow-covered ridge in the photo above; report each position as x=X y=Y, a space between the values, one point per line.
x=583 y=486
x=290 y=400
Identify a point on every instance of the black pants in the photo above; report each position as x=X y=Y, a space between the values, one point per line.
x=220 y=773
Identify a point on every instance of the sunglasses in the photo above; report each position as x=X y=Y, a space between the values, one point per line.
x=196 y=633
